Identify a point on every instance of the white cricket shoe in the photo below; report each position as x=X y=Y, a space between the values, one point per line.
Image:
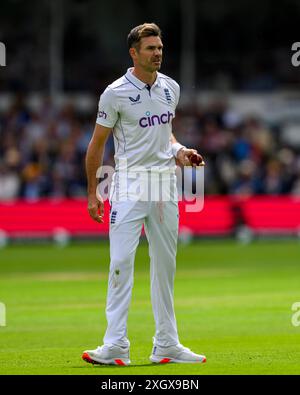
x=108 y=354
x=175 y=354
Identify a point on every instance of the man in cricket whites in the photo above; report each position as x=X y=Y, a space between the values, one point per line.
x=138 y=108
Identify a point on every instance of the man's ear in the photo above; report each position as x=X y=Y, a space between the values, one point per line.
x=132 y=52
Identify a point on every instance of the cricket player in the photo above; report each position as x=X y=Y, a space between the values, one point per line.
x=138 y=109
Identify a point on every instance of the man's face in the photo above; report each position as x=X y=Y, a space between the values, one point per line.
x=149 y=54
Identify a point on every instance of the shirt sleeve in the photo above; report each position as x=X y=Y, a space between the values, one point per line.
x=107 y=109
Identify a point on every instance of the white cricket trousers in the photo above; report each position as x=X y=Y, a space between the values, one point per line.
x=160 y=221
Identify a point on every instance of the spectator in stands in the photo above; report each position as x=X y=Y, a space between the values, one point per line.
x=9 y=183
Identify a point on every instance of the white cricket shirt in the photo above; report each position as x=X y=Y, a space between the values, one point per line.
x=141 y=119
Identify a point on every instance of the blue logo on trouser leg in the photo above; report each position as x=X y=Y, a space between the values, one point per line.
x=113 y=217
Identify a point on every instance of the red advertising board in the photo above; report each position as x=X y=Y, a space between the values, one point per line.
x=219 y=216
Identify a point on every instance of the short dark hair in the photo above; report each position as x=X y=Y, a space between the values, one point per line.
x=144 y=30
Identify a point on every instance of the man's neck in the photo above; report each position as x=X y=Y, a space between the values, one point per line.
x=147 y=77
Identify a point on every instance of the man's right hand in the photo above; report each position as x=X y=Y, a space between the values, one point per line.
x=96 y=208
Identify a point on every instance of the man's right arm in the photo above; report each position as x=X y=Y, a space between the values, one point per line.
x=93 y=161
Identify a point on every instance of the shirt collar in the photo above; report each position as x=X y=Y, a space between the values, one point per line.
x=138 y=83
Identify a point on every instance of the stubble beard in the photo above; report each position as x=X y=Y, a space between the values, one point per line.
x=156 y=67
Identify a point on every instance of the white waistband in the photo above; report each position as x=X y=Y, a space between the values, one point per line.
x=154 y=170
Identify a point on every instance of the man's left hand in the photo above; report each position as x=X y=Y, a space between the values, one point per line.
x=190 y=157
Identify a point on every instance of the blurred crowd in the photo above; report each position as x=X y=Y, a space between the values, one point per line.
x=42 y=151
x=243 y=154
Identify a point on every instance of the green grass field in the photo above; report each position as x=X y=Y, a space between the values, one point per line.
x=233 y=303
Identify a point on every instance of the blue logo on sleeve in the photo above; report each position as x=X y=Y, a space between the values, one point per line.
x=102 y=114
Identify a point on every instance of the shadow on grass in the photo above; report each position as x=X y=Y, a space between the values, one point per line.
x=103 y=366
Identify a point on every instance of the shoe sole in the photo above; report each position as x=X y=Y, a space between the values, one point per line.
x=172 y=360
x=118 y=361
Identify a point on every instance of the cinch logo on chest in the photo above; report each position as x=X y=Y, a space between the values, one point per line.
x=155 y=119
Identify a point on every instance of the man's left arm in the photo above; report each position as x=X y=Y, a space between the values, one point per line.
x=186 y=156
